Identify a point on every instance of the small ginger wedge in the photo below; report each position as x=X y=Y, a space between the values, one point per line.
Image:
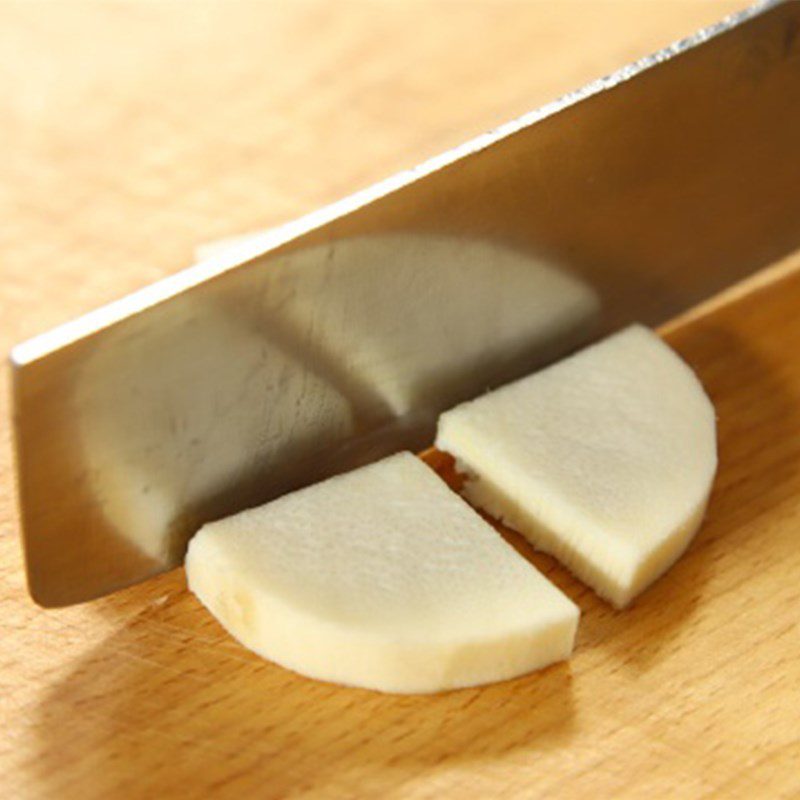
x=381 y=578
x=605 y=459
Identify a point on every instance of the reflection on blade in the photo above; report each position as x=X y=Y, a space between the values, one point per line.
x=347 y=353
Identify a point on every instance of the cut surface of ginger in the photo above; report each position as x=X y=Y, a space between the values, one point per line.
x=381 y=578
x=605 y=459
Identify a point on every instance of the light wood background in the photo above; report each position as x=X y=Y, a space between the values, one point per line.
x=130 y=132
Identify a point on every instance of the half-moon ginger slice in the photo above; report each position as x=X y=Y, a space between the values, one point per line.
x=605 y=459
x=381 y=578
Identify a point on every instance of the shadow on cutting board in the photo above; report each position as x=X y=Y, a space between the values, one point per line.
x=170 y=706
x=176 y=708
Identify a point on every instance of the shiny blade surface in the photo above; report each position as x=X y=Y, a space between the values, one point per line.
x=337 y=339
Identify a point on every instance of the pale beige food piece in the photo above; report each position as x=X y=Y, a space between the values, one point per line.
x=606 y=459
x=381 y=578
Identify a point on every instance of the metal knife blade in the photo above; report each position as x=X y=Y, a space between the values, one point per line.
x=339 y=338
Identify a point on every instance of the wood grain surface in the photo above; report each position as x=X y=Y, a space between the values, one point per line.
x=133 y=131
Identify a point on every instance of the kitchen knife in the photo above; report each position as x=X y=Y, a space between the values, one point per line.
x=338 y=338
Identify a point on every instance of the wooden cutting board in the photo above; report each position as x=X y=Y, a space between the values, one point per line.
x=133 y=131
